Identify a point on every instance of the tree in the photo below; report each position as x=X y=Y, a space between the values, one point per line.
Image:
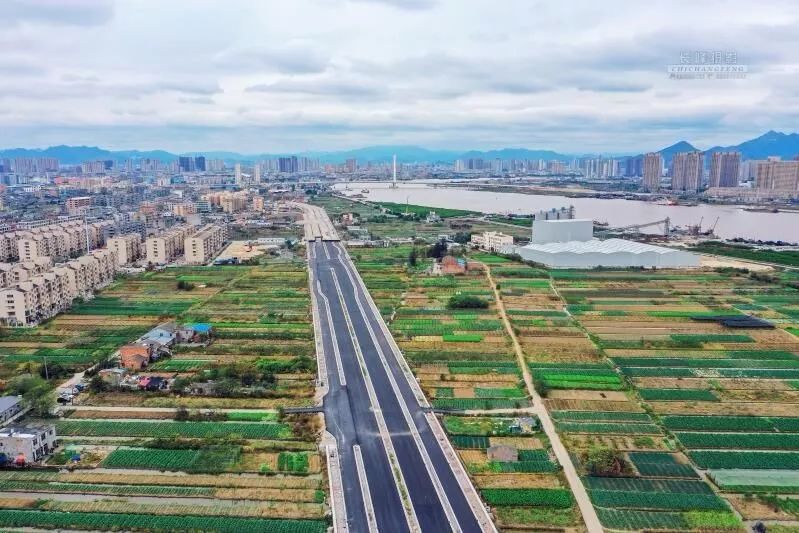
x=37 y=394
x=97 y=385
x=462 y=237
x=604 y=461
x=180 y=384
x=52 y=371
x=462 y=301
x=438 y=250
x=412 y=257
x=185 y=285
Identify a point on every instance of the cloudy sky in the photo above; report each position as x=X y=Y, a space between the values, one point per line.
x=278 y=75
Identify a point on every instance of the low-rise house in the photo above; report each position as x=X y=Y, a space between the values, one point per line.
x=205 y=388
x=348 y=219
x=10 y=406
x=163 y=335
x=492 y=241
x=153 y=383
x=113 y=376
x=134 y=357
x=27 y=444
x=452 y=265
x=195 y=333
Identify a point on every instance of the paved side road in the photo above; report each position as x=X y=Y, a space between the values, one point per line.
x=587 y=510
x=409 y=483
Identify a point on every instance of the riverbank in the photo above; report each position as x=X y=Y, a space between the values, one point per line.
x=730 y=221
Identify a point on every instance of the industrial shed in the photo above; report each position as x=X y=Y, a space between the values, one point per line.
x=570 y=244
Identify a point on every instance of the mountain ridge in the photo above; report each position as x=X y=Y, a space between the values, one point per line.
x=771 y=143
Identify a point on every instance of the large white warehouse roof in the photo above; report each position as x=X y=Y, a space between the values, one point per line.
x=610 y=252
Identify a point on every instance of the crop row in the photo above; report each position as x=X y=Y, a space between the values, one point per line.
x=600 y=416
x=675 y=372
x=92 y=428
x=702 y=395
x=743 y=441
x=150 y=522
x=746 y=460
x=609 y=428
x=660 y=464
x=467 y=404
x=656 y=500
x=623 y=519
x=731 y=423
x=631 y=484
x=533 y=497
x=209 y=459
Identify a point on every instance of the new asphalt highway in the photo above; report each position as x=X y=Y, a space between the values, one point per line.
x=398 y=473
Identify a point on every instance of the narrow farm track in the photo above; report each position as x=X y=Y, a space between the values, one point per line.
x=587 y=510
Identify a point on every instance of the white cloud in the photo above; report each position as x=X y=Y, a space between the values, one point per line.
x=402 y=4
x=57 y=12
x=291 y=58
x=271 y=75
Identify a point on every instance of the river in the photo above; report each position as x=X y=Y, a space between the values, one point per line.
x=732 y=220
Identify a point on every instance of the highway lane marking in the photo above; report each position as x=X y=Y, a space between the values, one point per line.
x=417 y=439
x=388 y=445
x=336 y=352
x=458 y=470
x=321 y=362
x=366 y=494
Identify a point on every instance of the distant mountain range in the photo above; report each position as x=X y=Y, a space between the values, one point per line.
x=768 y=144
x=785 y=145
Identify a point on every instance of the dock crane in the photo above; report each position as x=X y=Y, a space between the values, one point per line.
x=712 y=230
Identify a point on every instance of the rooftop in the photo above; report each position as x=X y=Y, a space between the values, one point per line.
x=8 y=401
x=596 y=246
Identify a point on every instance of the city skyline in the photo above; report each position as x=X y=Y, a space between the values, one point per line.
x=577 y=79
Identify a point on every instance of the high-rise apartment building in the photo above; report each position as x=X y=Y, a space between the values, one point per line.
x=778 y=176
x=686 y=171
x=31 y=165
x=215 y=165
x=237 y=174
x=288 y=165
x=186 y=163
x=634 y=166
x=653 y=171
x=93 y=167
x=724 y=169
